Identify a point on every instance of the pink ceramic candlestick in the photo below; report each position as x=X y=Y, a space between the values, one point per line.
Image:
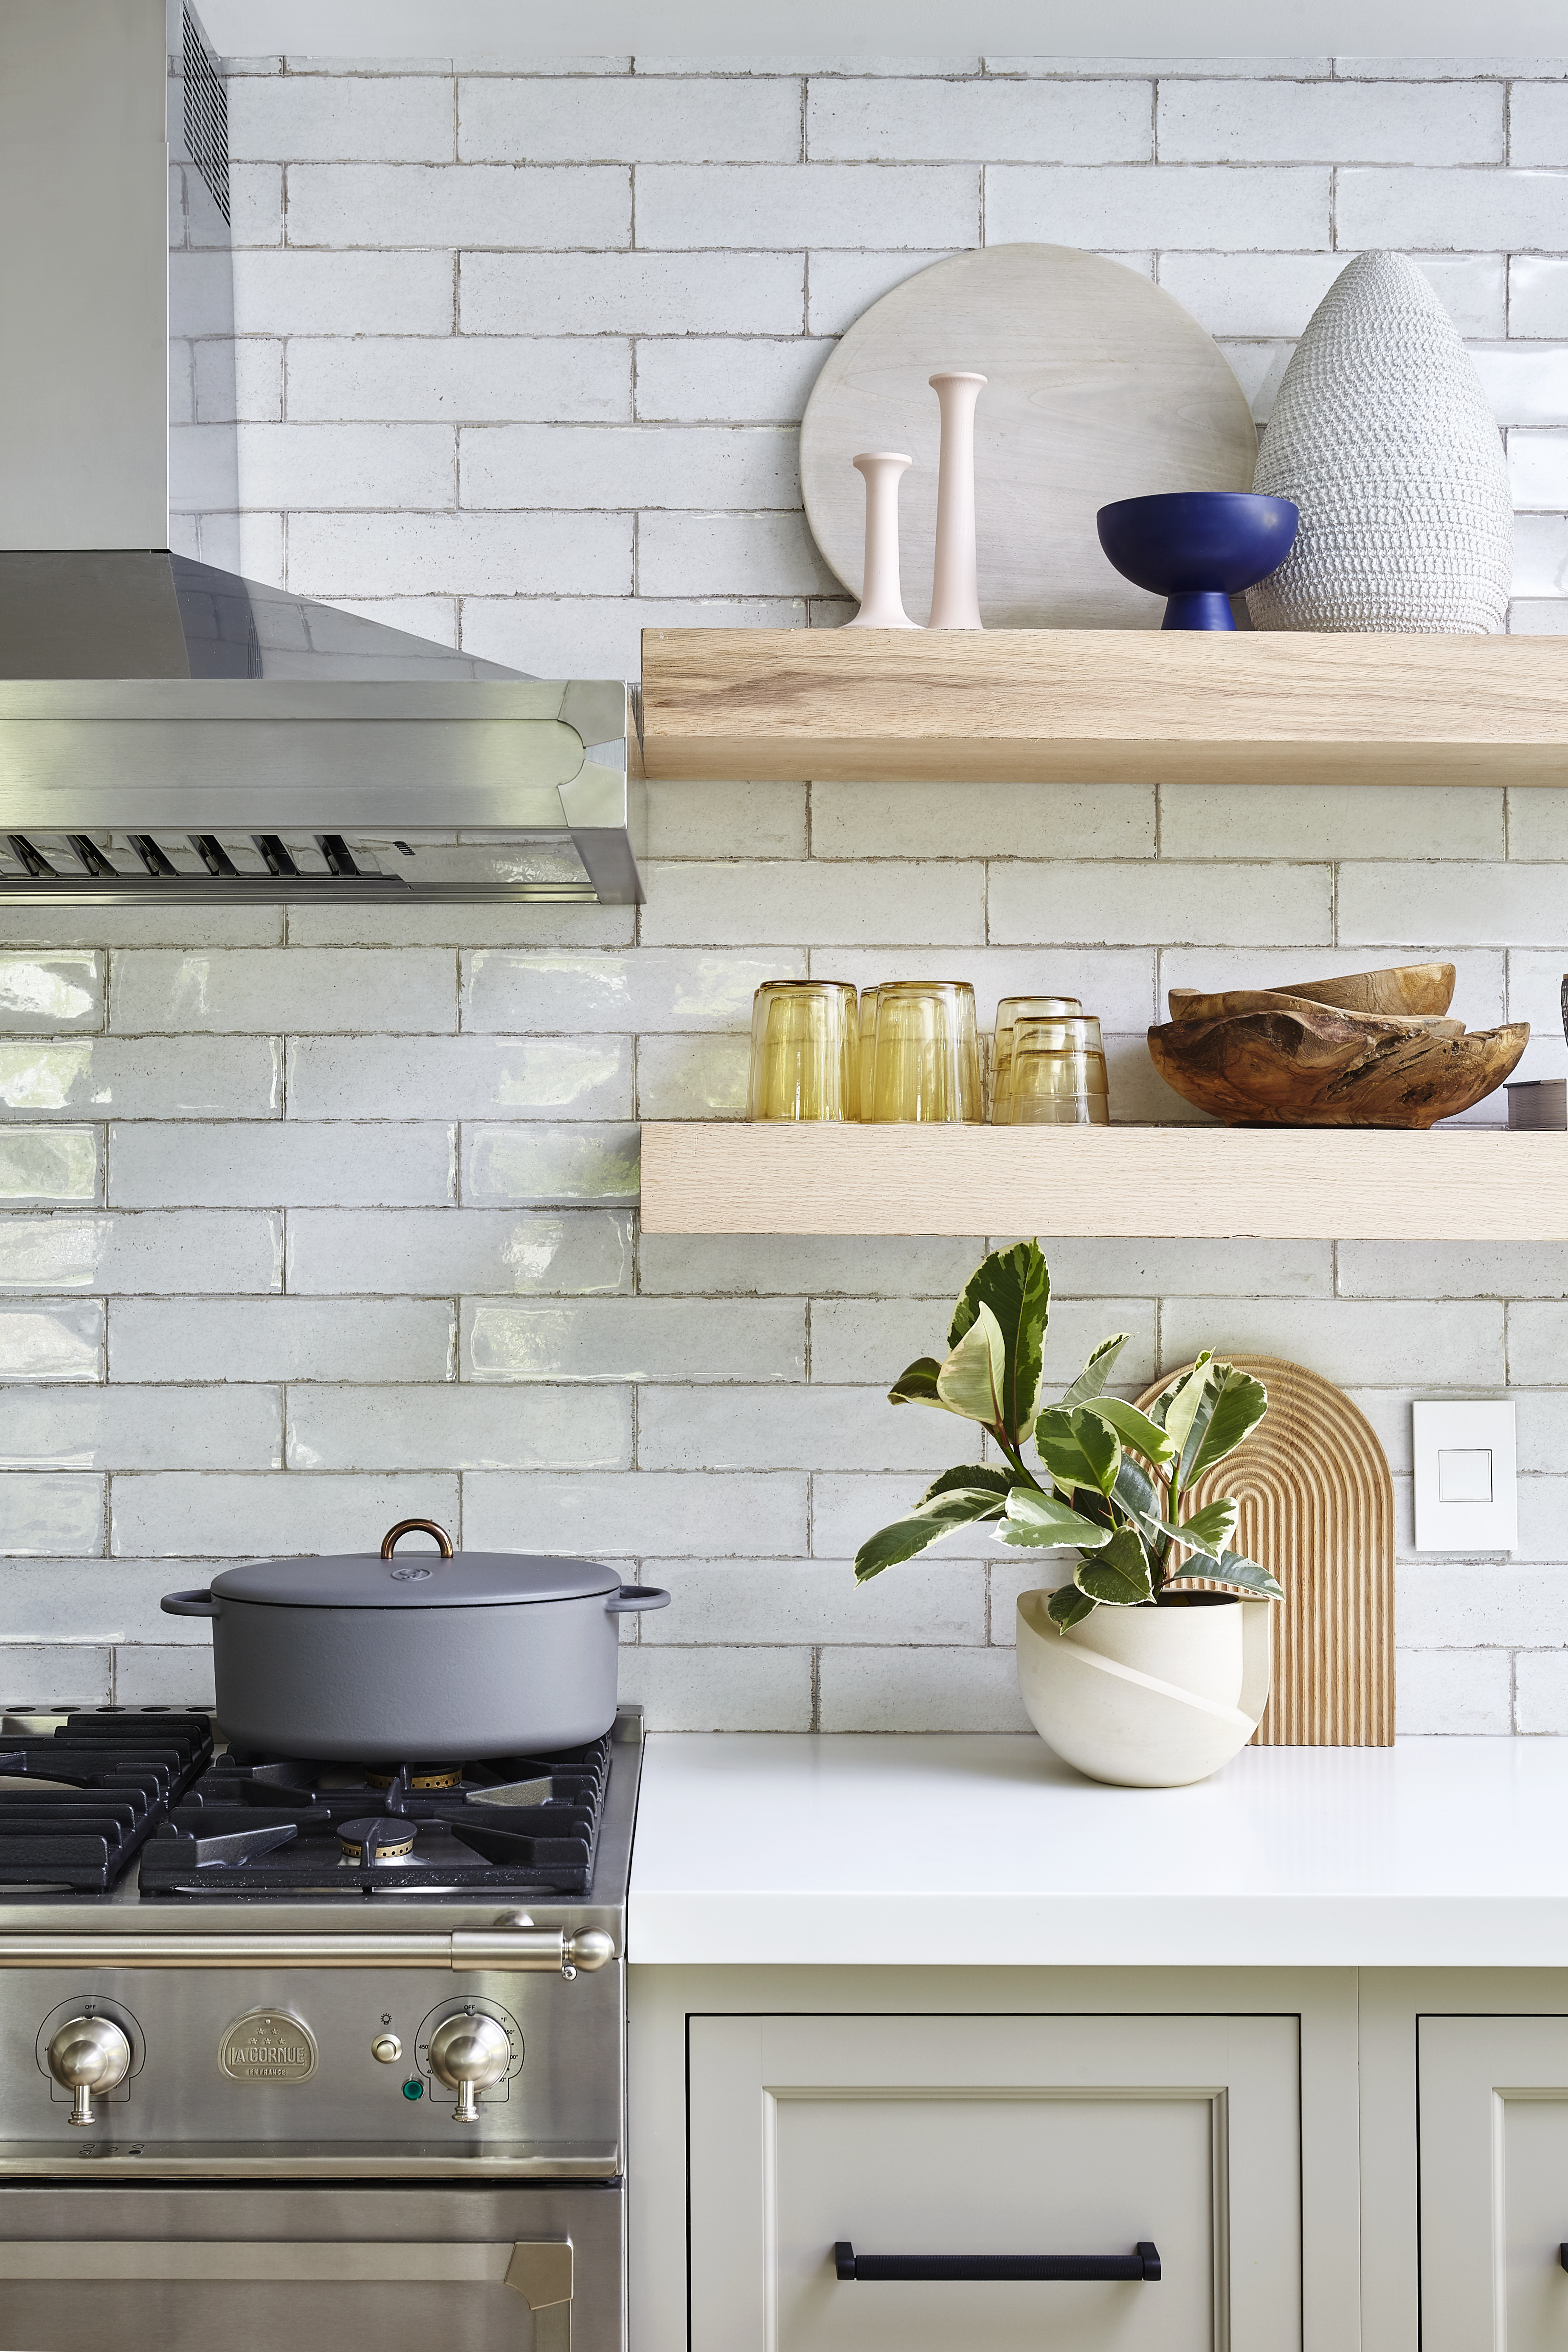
x=881 y=595
x=955 y=595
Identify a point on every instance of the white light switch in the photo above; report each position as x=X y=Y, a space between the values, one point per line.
x=1466 y=1497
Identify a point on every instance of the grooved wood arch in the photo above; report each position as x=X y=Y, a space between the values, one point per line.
x=1316 y=1507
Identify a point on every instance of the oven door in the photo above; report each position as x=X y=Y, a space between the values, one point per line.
x=317 y=2268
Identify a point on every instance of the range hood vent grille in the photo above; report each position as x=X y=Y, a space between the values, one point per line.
x=206 y=116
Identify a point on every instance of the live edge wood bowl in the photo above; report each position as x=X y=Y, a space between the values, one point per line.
x=1370 y=1049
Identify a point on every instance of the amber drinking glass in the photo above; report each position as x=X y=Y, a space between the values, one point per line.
x=1058 y=1073
x=1009 y=1013
x=805 y=1051
x=927 y=1060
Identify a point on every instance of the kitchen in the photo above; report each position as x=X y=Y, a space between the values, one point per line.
x=322 y=1216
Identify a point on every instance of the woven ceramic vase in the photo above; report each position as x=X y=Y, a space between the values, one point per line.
x=1383 y=436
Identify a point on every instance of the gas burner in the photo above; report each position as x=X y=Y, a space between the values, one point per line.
x=385 y=1838
x=415 y=1777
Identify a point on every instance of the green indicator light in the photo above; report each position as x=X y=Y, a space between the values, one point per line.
x=413 y=2090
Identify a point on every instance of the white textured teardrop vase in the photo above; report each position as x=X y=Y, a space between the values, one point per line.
x=1383 y=436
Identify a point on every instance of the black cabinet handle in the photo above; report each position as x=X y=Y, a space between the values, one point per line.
x=1143 y=2264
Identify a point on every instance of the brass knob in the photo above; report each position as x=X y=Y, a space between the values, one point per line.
x=387 y=2048
x=468 y=2053
x=89 y=2055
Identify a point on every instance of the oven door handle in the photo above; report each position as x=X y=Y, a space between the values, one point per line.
x=501 y=1950
x=539 y=2270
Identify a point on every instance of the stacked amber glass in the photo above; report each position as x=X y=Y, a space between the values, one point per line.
x=907 y=1050
x=1050 y=1065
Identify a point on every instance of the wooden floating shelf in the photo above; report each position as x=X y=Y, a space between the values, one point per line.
x=1173 y=1182
x=1088 y=706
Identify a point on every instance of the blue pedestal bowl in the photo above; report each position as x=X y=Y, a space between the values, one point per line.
x=1198 y=548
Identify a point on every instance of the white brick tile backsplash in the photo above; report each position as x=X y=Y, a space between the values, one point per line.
x=889 y=121
x=50 y=992
x=368 y=1339
x=318 y=1218
x=695 y=379
x=705 y=120
x=232 y=1517
x=460 y=1078
x=531 y=1252
x=459 y=1428
x=51 y=1340
x=634 y=1339
x=293 y=990
x=163 y=1077
x=776 y=207
x=143 y=1251
x=460 y=379
x=43 y=1166
x=1199 y=206
x=311 y=118
x=279 y=1165
x=1331 y=123
x=124 y=1428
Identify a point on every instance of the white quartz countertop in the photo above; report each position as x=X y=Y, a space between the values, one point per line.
x=959 y=1850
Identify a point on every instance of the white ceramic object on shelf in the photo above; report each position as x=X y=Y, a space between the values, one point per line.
x=956 y=583
x=1147 y=1698
x=882 y=594
x=1383 y=436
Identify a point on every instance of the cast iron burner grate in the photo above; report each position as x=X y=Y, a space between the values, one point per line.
x=255 y=1826
x=123 y=1769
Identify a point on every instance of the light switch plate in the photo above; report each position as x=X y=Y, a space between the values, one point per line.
x=1466 y=1492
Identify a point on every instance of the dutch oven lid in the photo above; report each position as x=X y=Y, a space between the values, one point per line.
x=423 y=1580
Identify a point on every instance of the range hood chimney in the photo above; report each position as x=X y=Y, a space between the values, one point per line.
x=169 y=730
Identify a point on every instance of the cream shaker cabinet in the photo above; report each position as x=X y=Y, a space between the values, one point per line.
x=829 y=2151
x=1494 y=2183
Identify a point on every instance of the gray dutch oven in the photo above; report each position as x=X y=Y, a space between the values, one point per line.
x=362 y=1660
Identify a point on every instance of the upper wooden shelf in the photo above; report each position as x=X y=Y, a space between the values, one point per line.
x=1173 y=1182
x=1086 y=705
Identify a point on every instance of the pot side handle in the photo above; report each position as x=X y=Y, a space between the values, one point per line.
x=188 y=1604
x=637 y=1596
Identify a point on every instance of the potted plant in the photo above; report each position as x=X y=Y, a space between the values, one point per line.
x=1130 y=1669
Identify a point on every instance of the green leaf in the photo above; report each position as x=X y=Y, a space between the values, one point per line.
x=970 y=1476
x=1209 y=1529
x=1184 y=1400
x=1136 y=1495
x=1078 y=1449
x=918 y=1384
x=1068 y=1606
x=1118 y=1574
x=1015 y=1286
x=973 y=1380
x=959 y=1506
x=1134 y=1428
x=1239 y=1404
x=1091 y=1381
x=1036 y=1522
x=1233 y=1568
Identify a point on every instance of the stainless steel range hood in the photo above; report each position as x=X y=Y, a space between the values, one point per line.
x=167 y=728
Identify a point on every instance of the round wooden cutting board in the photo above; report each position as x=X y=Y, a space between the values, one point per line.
x=1102 y=387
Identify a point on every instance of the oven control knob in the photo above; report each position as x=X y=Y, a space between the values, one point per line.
x=387 y=2048
x=89 y=2055
x=468 y=2053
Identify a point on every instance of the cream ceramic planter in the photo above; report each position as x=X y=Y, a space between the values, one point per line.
x=1147 y=1699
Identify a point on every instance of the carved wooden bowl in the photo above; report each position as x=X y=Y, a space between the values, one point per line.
x=1277 y=1057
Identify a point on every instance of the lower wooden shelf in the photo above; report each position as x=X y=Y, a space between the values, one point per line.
x=1175 y=1183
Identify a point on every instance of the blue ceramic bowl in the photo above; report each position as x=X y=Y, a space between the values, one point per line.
x=1198 y=548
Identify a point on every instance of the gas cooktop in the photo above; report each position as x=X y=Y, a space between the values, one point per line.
x=90 y=1795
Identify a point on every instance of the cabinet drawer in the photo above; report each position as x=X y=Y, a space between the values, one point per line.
x=994 y=2136
x=1494 y=2183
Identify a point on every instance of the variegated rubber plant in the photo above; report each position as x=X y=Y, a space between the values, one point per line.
x=1115 y=1479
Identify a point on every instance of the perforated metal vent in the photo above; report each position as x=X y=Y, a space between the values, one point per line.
x=206 y=116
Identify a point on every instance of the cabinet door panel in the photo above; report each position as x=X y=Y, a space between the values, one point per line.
x=994 y=2136
x=1494 y=2183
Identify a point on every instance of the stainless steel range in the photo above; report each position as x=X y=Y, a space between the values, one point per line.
x=295 y=2053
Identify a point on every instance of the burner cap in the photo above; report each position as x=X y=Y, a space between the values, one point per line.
x=385 y=1838
x=419 y=1776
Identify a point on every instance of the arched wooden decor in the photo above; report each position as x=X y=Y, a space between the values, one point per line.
x=1317 y=1505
